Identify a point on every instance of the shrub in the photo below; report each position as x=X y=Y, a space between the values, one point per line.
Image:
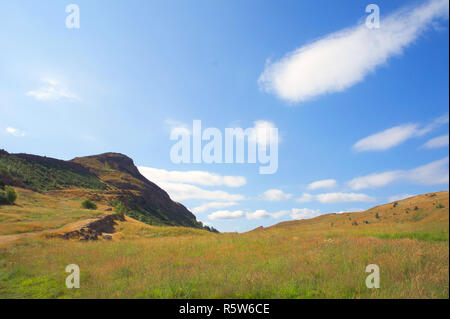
x=355 y=223
x=440 y=206
x=88 y=204
x=2 y=184
x=10 y=195
x=377 y=216
x=119 y=208
x=3 y=200
x=416 y=208
x=395 y=204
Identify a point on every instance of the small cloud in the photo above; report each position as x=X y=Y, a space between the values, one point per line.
x=294 y=213
x=437 y=142
x=325 y=183
x=386 y=139
x=15 y=132
x=304 y=213
x=52 y=90
x=263 y=134
x=226 y=214
x=395 y=198
x=193 y=177
x=374 y=180
x=343 y=198
x=258 y=214
x=350 y=210
x=212 y=205
x=275 y=195
x=396 y=135
x=305 y=198
x=434 y=173
x=177 y=184
x=181 y=191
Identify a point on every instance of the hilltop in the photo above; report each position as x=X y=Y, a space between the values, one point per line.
x=106 y=179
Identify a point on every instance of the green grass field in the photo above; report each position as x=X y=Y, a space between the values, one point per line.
x=324 y=257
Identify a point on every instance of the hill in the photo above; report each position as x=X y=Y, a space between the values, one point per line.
x=424 y=217
x=106 y=179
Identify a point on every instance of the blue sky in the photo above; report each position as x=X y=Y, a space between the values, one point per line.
x=365 y=111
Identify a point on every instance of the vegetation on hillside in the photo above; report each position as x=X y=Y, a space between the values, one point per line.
x=88 y=204
x=105 y=178
x=44 y=174
x=323 y=257
x=8 y=195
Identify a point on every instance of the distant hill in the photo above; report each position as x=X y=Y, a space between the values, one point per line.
x=426 y=214
x=107 y=178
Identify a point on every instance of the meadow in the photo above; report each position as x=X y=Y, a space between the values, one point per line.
x=324 y=257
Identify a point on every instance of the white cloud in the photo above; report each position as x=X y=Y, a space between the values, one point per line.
x=395 y=198
x=305 y=198
x=52 y=90
x=343 y=198
x=326 y=183
x=294 y=213
x=386 y=139
x=180 y=191
x=258 y=214
x=344 y=58
x=212 y=205
x=194 y=177
x=350 y=210
x=374 y=180
x=226 y=214
x=275 y=195
x=15 y=132
x=396 y=135
x=176 y=184
x=262 y=135
x=434 y=173
x=335 y=198
x=304 y=213
x=437 y=142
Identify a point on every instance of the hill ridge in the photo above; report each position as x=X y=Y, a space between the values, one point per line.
x=108 y=178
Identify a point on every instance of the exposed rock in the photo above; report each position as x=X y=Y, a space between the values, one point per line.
x=95 y=229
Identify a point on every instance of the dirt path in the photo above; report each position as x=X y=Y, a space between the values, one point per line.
x=66 y=228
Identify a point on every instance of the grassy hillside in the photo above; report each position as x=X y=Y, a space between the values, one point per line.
x=423 y=217
x=107 y=179
x=324 y=257
x=43 y=173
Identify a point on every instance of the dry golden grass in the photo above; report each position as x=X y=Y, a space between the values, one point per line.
x=323 y=257
x=36 y=212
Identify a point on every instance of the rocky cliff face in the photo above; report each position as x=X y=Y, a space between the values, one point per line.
x=138 y=193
